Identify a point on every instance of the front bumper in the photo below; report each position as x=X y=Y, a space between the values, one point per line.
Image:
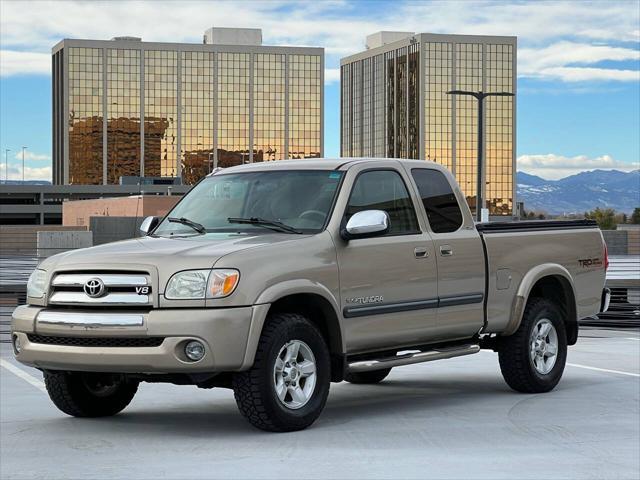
x=226 y=334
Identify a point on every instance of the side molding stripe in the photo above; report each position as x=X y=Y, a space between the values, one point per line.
x=461 y=300
x=383 y=308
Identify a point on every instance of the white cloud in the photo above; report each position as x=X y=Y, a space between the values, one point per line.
x=585 y=74
x=564 y=61
x=554 y=167
x=331 y=75
x=557 y=37
x=30 y=173
x=13 y=62
x=32 y=156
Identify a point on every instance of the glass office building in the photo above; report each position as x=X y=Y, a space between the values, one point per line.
x=394 y=103
x=124 y=107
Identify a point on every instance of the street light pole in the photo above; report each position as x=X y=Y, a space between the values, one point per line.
x=23 y=149
x=480 y=96
x=6 y=165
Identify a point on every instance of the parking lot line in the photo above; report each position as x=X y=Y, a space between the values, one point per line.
x=18 y=372
x=606 y=370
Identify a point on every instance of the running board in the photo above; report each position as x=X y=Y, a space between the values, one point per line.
x=410 y=358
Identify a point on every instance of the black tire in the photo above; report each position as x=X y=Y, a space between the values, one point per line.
x=514 y=351
x=89 y=394
x=254 y=389
x=363 y=378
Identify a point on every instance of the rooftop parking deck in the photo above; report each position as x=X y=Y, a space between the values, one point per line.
x=450 y=419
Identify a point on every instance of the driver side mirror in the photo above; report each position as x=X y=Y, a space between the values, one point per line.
x=147 y=225
x=368 y=223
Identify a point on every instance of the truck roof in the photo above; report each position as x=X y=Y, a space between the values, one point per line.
x=320 y=164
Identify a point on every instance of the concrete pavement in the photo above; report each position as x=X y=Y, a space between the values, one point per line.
x=449 y=419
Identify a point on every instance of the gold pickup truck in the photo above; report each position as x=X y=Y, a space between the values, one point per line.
x=276 y=279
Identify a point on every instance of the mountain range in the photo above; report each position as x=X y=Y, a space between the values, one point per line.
x=579 y=193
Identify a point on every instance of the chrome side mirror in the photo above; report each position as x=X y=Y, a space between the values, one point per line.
x=147 y=225
x=368 y=223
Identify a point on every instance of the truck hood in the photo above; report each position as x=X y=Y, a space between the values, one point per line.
x=167 y=255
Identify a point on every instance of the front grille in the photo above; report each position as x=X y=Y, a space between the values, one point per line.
x=97 y=341
x=101 y=288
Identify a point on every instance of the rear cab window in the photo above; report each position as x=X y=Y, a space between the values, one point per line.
x=439 y=200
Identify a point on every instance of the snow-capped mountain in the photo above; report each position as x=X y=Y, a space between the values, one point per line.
x=581 y=192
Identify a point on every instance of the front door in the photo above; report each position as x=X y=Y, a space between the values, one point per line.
x=388 y=283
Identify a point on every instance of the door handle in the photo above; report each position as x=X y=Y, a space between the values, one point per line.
x=421 y=252
x=446 y=250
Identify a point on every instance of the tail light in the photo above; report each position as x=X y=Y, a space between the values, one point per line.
x=606 y=257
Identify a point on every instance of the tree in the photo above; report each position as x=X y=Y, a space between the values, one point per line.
x=606 y=218
x=635 y=216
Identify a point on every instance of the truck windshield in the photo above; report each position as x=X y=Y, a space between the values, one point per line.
x=294 y=201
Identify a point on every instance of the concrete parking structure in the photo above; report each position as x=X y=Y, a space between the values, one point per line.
x=450 y=419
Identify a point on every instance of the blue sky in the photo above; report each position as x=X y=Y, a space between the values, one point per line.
x=578 y=63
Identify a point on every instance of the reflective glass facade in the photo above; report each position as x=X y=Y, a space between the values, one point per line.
x=405 y=83
x=85 y=69
x=437 y=104
x=123 y=113
x=233 y=108
x=176 y=110
x=196 y=100
x=468 y=77
x=305 y=106
x=269 y=107
x=356 y=107
x=367 y=107
x=160 y=113
x=499 y=129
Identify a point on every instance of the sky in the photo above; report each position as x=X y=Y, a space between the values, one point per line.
x=578 y=102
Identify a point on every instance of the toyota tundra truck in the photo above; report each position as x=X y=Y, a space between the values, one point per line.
x=276 y=279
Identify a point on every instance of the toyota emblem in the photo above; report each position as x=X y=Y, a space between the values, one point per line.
x=94 y=287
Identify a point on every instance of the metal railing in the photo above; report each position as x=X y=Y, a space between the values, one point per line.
x=17 y=260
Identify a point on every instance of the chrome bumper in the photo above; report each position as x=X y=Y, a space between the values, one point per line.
x=95 y=320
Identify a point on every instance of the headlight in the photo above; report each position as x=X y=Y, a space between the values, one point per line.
x=36 y=286
x=198 y=284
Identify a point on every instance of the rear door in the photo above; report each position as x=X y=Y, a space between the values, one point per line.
x=459 y=256
x=388 y=283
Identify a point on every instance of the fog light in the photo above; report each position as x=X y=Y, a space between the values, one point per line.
x=17 y=346
x=194 y=350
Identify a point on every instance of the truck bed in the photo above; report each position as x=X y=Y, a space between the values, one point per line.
x=515 y=250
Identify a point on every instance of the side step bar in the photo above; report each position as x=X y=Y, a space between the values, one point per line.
x=410 y=358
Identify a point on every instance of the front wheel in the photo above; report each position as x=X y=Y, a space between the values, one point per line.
x=532 y=360
x=287 y=386
x=89 y=394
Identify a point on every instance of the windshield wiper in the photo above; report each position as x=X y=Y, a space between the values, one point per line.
x=263 y=222
x=189 y=223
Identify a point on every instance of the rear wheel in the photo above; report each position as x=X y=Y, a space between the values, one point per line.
x=532 y=360
x=89 y=394
x=287 y=387
x=375 y=376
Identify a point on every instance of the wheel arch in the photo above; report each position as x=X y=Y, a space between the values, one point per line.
x=551 y=281
x=317 y=304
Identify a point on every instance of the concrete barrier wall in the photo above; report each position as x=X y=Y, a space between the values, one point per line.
x=79 y=212
x=112 y=229
x=23 y=239
x=616 y=241
x=50 y=243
